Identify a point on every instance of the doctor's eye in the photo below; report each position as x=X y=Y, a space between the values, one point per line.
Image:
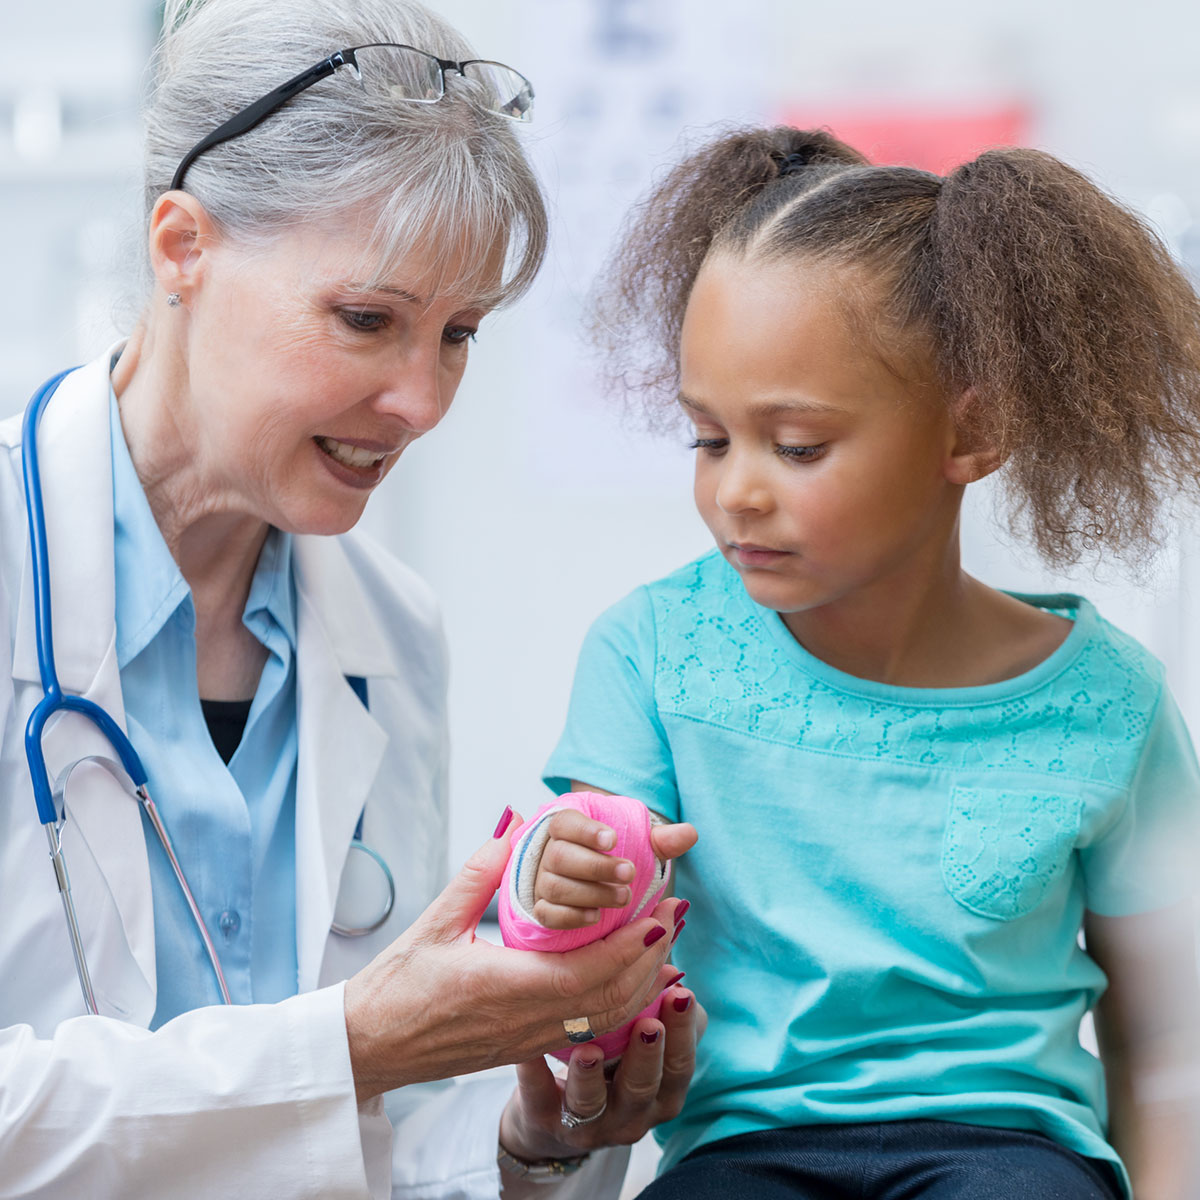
x=458 y=335
x=361 y=320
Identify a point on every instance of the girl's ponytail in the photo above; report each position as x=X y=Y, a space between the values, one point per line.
x=641 y=298
x=1079 y=338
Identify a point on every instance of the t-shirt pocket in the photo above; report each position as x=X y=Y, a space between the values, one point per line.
x=1002 y=850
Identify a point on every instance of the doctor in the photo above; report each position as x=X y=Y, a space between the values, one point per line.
x=318 y=267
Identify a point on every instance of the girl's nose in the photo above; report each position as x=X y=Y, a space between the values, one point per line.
x=741 y=488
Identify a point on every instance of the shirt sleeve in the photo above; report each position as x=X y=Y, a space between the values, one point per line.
x=614 y=738
x=1147 y=857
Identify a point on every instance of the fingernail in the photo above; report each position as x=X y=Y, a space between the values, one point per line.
x=624 y=872
x=606 y=839
x=678 y=931
x=650 y=1038
x=505 y=820
x=673 y=982
x=679 y=912
x=589 y=1064
x=657 y=932
x=683 y=1003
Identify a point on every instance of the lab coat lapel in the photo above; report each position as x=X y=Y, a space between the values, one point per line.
x=76 y=473
x=341 y=744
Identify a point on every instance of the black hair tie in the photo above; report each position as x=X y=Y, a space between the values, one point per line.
x=791 y=163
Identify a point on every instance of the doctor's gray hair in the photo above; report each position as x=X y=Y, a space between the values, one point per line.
x=447 y=179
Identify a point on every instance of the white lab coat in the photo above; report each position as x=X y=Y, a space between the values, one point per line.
x=254 y=1100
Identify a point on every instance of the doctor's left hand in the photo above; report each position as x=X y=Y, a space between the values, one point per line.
x=648 y=1088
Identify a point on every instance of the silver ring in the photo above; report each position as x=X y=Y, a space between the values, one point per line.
x=579 y=1030
x=572 y=1120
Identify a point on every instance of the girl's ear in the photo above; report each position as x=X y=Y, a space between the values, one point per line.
x=974 y=454
x=180 y=231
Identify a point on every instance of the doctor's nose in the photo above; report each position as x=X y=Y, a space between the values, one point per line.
x=416 y=394
x=740 y=488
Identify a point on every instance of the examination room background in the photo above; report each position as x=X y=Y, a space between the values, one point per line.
x=538 y=502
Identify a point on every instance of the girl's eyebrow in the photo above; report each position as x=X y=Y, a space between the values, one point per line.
x=773 y=408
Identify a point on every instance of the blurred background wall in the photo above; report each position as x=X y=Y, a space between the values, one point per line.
x=538 y=503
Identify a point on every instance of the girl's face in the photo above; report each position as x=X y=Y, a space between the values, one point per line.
x=306 y=385
x=820 y=472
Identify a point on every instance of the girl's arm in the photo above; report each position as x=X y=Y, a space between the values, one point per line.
x=1148 y=1028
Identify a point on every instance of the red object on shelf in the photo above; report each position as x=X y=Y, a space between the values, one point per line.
x=932 y=139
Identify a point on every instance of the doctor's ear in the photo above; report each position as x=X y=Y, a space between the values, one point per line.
x=975 y=453
x=180 y=231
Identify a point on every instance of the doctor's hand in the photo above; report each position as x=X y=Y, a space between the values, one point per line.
x=440 y=1002
x=648 y=1088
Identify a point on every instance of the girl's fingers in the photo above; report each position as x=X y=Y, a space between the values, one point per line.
x=580 y=862
x=558 y=916
x=570 y=825
x=670 y=841
x=574 y=893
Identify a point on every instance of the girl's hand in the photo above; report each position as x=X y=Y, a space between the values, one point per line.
x=648 y=1088
x=440 y=1002
x=577 y=877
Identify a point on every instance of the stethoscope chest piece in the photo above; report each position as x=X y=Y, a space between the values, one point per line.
x=367 y=893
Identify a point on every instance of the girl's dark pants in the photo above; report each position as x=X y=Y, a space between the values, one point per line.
x=892 y=1160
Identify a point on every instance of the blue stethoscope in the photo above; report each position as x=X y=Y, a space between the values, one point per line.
x=55 y=700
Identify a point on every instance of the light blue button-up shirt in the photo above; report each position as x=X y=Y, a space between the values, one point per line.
x=233 y=828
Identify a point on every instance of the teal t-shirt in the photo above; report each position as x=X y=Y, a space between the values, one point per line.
x=889 y=885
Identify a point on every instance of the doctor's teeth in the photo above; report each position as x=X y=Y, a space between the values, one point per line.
x=352 y=456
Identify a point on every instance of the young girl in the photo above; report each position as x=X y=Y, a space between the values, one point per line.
x=913 y=791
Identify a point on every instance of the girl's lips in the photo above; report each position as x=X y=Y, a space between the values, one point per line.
x=750 y=555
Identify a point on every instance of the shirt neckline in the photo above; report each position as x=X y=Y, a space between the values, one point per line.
x=1078 y=610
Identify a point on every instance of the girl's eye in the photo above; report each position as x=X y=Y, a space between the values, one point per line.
x=457 y=335
x=801 y=453
x=362 y=321
x=709 y=445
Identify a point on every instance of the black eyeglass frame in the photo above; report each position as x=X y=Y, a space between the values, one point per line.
x=257 y=112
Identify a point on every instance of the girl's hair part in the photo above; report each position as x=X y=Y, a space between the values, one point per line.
x=1055 y=320
x=447 y=178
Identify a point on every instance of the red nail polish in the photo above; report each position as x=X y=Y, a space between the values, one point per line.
x=681 y=910
x=505 y=820
x=678 y=931
x=651 y=1038
x=673 y=982
x=653 y=936
x=683 y=1003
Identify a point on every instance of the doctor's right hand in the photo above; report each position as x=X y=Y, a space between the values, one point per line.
x=440 y=1002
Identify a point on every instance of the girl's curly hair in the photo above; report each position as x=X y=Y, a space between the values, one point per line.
x=1066 y=317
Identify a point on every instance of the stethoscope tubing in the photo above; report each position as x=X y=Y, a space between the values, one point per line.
x=54 y=700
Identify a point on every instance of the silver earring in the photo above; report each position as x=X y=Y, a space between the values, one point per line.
x=173 y=300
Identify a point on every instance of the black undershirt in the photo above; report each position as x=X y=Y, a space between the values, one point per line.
x=226 y=721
